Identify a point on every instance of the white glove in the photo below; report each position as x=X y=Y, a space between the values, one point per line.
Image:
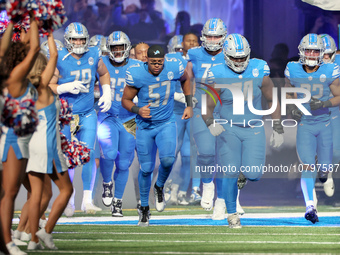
x=105 y=100
x=276 y=139
x=216 y=129
x=179 y=97
x=194 y=102
x=73 y=87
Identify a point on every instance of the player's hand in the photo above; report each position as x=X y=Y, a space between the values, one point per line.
x=295 y=112
x=187 y=114
x=73 y=87
x=144 y=111
x=194 y=102
x=216 y=129
x=276 y=139
x=105 y=102
x=317 y=104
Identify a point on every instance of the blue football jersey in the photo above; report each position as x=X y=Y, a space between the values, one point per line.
x=178 y=106
x=335 y=109
x=202 y=61
x=117 y=80
x=155 y=90
x=251 y=78
x=84 y=70
x=317 y=83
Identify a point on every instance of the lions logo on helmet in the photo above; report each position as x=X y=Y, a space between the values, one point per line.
x=45 y=50
x=115 y=39
x=313 y=45
x=236 y=52
x=213 y=28
x=175 y=44
x=76 y=30
x=330 y=47
x=100 y=42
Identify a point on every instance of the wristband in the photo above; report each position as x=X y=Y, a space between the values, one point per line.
x=327 y=104
x=277 y=126
x=209 y=121
x=188 y=100
x=135 y=109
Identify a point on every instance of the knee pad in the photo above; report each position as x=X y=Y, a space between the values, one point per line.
x=167 y=162
x=123 y=164
x=147 y=168
x=110 y=154
x=205 y=160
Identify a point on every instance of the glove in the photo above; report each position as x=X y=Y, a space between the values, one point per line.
x=179 y=97
x=317 y=104
x=73 y=87
x=105 y=100
x=295 y=112
x=216 y=129
x=194 y=102
x=276 y=140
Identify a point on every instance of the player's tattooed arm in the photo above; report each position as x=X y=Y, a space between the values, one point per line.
x=335 y=88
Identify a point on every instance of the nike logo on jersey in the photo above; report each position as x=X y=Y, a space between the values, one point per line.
x=256 y=133
x=327 y=124
x=334 y=117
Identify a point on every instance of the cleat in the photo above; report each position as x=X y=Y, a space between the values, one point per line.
x=107 y=193
x=195 y=197
x=241 y=181
x=90 y=208
x=25 y=237
x=328 y=186
x=69 y=210
x=144 y=216
x=323 y=176
x=167 y=191
x=159 y=198
x=208 y=196
x=46 y=238
x=14 y=250
x=181 y=199
x=116 y=207
x=219 y=209
x=234 y=221
x=35 y=246
x=311 y=214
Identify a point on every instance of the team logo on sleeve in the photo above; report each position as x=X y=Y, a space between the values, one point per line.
x=91 y=61
x=322 y=77
x=170 y=76
x=255 y=72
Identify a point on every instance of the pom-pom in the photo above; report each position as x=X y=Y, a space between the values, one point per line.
x=17 y=10
x=76 y=152
x=65 y=114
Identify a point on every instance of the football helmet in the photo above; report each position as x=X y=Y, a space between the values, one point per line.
x=213 y=27
x=100 y=42
x=175 y=44
x=236 y=46
x=330 y=47
x=311 y=42
x=76 y=30
x=118 y=38
x=45 y=50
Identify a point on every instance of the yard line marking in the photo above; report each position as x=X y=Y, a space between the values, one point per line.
x=194 y=241
x=231 y=233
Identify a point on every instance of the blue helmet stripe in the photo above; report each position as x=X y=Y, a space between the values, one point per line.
x=213 y=24
x=238 y=43
x=313 y=39
x=79 y=28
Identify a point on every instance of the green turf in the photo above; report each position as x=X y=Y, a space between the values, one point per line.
x=195 y=239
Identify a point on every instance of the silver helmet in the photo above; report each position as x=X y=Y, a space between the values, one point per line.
x=330 y=47
x=100 y=42
x=236 y=47
x=311 y=42
x=76 y=30
x=118 y=38
x=175 y=44
x=213 y=27
x=45 y=50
